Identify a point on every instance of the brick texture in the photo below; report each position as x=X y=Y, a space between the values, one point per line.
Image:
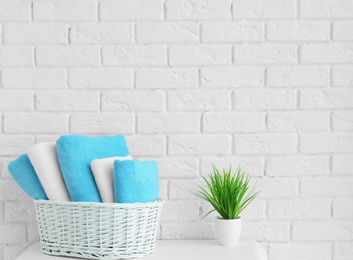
x=267 y=85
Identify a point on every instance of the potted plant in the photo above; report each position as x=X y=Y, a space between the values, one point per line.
x=229 y=193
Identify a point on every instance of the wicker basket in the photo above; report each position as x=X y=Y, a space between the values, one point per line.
x=98 y=230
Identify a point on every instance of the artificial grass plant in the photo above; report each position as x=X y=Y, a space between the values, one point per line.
x=229 y=192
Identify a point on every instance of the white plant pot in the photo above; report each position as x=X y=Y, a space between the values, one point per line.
x=228 y=231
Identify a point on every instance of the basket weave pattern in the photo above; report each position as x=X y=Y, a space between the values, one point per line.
x=98 y=230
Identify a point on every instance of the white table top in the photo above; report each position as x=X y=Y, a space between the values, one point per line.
x=180 y=250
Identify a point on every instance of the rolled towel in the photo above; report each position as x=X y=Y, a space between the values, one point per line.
x=75 y=152
x=24 y=174
x=103 y=174
x=44 y=159
x=136 y=181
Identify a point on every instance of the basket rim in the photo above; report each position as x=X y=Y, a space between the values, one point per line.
x=158 y=202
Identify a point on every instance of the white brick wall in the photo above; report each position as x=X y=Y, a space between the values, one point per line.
x=265 y=84
x=32 y=78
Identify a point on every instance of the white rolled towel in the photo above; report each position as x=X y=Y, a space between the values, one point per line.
x=44 y=159
x=103 y=174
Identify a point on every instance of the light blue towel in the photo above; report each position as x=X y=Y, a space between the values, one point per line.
x=136 y=181
x=24 y=174
x=75 y=152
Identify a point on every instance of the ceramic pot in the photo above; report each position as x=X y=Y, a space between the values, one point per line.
x=228 y=231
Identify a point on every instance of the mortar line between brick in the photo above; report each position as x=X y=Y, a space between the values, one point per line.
x=232 y=47
x=134 y=32
x=331 y=121
x=201 y=122
x=168 y=189
x=100 y=53
x=67 y=78
x=2 y=123
x=198 y=160
x=168 y=56
x=100 y=101
x=35 y=56
x=98 y=11
x=298 y=52
x=212 y=43
x=331 y=31
x=134 y=81
x=298 y=94
x=164 y=8
x=330 y=76
x=34 y=101
x=297 y=149
x=265 y=77
x=232 y=101
x=2 y=34
x=69 y=123
x=297 y=9
x=331 y=208
x=32 y=11
x=233 y=150
x=331 y=165
x=198 y=83
x=69 y=35
x=134 y=127
x=165 y=99
x=199 y=27
x=214 y=66
x=266 y=122
x=167 y=139
x=299 y=187
x=165 y=148
x=248 y=20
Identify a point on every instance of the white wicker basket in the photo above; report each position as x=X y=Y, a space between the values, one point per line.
x=98 y=230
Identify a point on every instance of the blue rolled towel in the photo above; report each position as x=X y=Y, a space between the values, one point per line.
x=24 y=174
x=75 y=152
x=135 y=181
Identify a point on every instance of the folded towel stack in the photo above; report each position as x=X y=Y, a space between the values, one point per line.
x=45 y=162
x=75 y=154
x=103 y=174
x=89 y=169
x=24 y=174
x=135 y=181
